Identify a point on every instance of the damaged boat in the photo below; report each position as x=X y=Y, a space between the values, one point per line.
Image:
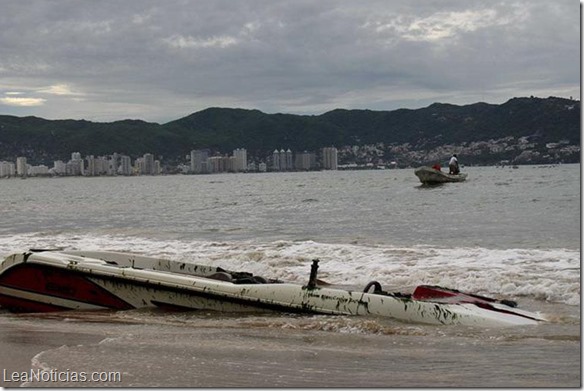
x=43 y=281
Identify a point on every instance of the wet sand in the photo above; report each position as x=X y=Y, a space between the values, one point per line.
x=151 y=348
x=287 y=352
x=19 y=345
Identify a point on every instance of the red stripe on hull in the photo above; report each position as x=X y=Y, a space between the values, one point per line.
x=60 y=283
x=15 y=304
x=427 y=292
x=423 y=292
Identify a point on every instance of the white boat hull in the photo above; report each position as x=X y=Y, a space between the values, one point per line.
x=50 y=281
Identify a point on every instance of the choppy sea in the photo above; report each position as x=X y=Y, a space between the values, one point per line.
x=506 y=233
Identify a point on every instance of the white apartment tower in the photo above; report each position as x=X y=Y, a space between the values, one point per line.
x=283 y=160
x=289 y=162
x=7 y=169
x=329 y=158
x=75 y=165
x=199 y=161
x=125 y=165
x=148 y=164
x=21 y=166
x=276 y=160
x=240 y=163
x=305 y=161
x=113 y=164
x=283 y=165
x=92 y=169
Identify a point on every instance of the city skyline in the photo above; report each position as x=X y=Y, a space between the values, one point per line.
x=199 y=162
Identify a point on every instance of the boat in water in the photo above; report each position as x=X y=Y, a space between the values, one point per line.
x=49 y=280
x=431 y=176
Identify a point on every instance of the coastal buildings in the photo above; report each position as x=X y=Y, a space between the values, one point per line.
x=286 y=160
x=201 y=162
x=147 y=165
x=505 y=151
x=305 y=161
x=282 y=160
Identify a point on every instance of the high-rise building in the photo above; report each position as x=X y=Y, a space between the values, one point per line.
x=276 y=160
x=139 y=165
x=7 y=169
x=75 y=165
x=240 y=163
x=199 y=161
x=283 y=165
x=21 y=166
x=215 y=164
x=289 y=162
x=329 y=158
x=125 y=165
x=148 y=164
x=282 y=160
x=305 y=161
x=113 y=164
x=91 y=166
x=96 y=166
x=59 y=167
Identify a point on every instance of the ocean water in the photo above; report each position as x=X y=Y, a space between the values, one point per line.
x=506 y=233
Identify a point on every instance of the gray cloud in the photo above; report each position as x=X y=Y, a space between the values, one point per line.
x=159 y=60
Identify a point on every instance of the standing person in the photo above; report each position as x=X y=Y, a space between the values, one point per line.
x=453 y=165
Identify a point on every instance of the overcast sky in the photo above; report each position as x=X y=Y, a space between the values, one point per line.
x=161 y=60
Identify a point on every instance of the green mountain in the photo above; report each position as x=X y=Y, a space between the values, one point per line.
x=548 y=120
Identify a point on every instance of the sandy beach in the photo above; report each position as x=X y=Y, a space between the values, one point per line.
x=152 y=349
x=20 y=345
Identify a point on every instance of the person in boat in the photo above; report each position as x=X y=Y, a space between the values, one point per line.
x=453 y=165
x=437 y=167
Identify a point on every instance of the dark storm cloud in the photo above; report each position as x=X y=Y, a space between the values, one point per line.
x=159 y=60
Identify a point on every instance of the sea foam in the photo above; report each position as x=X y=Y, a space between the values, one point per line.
x=544 y=274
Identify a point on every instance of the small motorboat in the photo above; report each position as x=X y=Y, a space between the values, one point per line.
x=43 y=281
x=431 y=176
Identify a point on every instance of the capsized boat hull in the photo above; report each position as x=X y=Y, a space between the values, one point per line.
x=428 y=175
x=54 y=281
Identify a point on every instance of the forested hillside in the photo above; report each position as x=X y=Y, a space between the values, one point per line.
x=548 y=120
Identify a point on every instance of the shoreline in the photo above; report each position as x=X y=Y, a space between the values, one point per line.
x=20 y=346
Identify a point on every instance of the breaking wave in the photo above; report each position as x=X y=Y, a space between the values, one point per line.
x=551 y=275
